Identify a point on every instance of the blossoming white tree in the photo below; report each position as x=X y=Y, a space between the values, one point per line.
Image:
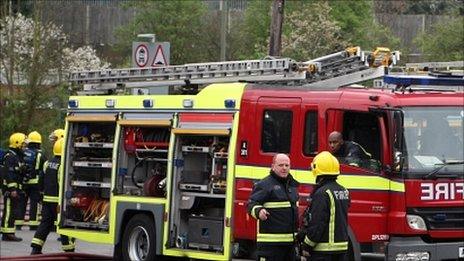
x=35 y=60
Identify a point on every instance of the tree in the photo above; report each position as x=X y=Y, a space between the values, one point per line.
x=35 y=60
x=444 y=41
x=182 y=23
x=310 y=33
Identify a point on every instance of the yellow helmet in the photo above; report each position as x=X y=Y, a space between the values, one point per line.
x=16 y=140
x=325 y=164
x=58 y=147
x=56 y=134
x=34 y=137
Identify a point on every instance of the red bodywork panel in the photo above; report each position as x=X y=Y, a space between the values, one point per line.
x=374 y=214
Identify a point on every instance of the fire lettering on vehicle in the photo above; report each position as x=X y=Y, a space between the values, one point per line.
x=431 y=191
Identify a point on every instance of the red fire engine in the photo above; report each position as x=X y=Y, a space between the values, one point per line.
x=162 y=174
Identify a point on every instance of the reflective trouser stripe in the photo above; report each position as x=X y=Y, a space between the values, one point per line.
x=33 y=223
x=7 y=212
x=339 y=246
x=332 y=217
x=37 y=241
x=70 y=246
x=274 y=237
x=52 y=199
x=253 y=210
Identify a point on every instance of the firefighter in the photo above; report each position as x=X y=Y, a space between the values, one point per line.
x=349 y=152
x=55 y=135
x=273 y=203
x=14 y=164
x=326 y=235
x=34 y=160
x=50 y=204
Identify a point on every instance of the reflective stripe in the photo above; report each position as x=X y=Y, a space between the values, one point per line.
x=37 y=241
x=70 y=246
x=253 y=210
x=281 y=204
x=33 y=223
x=52 y=199
x=332 y=217
x=8 y=230
x=339 y=246
x=19 y=222
x=37 y=161
x=33 y=181
x=12 y=185
x=274 y=237
x=7 y=214
x=309 y=242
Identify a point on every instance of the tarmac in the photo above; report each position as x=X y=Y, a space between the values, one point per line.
x=52 y=245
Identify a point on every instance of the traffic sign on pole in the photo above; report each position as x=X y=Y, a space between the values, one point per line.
x=149 y=54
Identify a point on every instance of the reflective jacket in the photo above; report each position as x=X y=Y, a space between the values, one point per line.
x=50 y=179
x=279 y=196
x=34 y=161
x=327 y=218
x=14 y=165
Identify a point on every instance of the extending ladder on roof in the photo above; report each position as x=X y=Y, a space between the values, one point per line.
x=331 y=71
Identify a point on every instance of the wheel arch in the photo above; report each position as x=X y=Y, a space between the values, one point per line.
x=126 y=210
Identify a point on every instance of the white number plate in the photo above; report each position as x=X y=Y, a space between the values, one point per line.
x=461 y=252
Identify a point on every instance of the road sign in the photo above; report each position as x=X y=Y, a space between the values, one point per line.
x=147 y=54
x=141 y=55
x=160 y=59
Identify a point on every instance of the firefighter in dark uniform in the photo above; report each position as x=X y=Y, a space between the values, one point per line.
x=14 y=165
x=273 y=203
x=326 y=235
x=348 y=152
x=50 y=203
x=34 y=159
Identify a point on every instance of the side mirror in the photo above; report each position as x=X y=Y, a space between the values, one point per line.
x=398 y=161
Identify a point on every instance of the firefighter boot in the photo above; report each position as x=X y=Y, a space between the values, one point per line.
x=36 y=251
x=11 y=237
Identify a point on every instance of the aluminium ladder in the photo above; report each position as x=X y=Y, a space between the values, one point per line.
x=331 y=71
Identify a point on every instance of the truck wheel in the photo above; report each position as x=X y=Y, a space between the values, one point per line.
x=138 y=240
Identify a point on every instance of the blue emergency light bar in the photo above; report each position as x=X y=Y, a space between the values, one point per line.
x=406 y=80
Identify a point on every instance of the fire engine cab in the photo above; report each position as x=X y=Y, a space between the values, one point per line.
x=168 y=169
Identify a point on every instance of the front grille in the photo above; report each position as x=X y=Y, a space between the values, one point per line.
x=441 y=218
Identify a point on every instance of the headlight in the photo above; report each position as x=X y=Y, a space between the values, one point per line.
x=416 y=222
x=413 y=256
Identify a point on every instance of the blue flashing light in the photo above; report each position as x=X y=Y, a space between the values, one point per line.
x=406 y=80
x=229 y=103
x=73 y=103
x=148 y=103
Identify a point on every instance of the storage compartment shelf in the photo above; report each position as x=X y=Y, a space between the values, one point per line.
x=151 y=144
x=195 y=149
x=102 y=145
x=80 y=224
x=91 y=184
x=92 y=164
x=205 y=195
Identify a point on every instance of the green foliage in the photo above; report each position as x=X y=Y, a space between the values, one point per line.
x=358 y=25
x=444 y=41
x=182 y=23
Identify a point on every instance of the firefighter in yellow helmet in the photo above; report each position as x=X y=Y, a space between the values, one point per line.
x=325 y=234
x=55 y=135
x=50 y=202
x=13 y=178
x=34 y=160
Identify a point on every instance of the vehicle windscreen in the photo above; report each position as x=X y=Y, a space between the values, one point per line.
x=433 y=138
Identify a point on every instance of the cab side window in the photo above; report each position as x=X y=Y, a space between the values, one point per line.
x=276 y=131
x=310 y=134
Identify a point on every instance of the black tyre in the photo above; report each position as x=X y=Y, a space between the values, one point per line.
x=139 y=239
